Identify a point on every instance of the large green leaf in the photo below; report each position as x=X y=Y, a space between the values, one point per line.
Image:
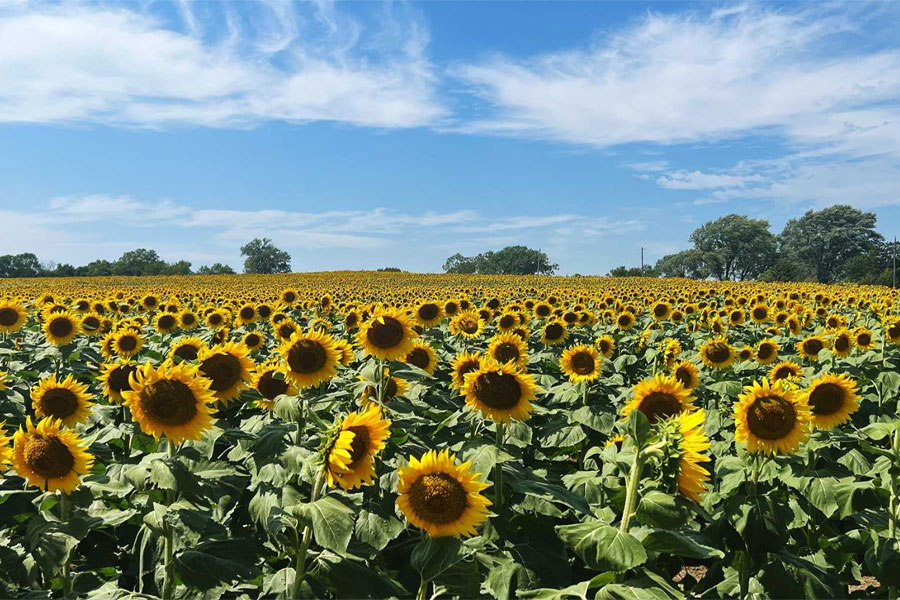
x=214 y=562
x=332 y=522
x=603 y=547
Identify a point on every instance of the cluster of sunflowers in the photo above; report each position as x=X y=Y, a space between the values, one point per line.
x=272 y=434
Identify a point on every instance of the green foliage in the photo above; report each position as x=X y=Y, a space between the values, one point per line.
x=263 y=257
x=511 y=260
x=735 y=247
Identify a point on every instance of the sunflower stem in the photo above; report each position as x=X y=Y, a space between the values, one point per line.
x=300 y=558
x=498 y=468
x=631 y=495
x=423 y=590
x=168 y=590
x=64 y=517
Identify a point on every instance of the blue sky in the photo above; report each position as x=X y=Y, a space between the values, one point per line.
x=363 y=135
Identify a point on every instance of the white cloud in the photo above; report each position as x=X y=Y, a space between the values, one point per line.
x=119 y=65
x=673 y=78
x=696 y=180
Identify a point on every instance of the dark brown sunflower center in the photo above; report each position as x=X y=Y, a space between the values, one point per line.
x=718 y=353
x=506 y=352
x=683 y=375
x=624 y=321
x=500 y=391
x=59 y=403
x=359 y=447
x=289 y=297
x=187 y=352
x=428 y=312
x=765 y=351
x=864 y=339
x=583 y=363
x=118 y=378
x=467 y=367
x=554 y=331
x=169 y=402
x=783 y=373
x=760 y=313
x=8 y=317
x=542 y=310
x=224 y=370
x=894 y=330
x=469 y=325
x=286 y=330
x=306 y=356
x=127 y=343
x=385 y=332
x=841 y=343
x=604 y=346
x=247 y=313
x=61 y=327
x=659 y=405
x=826 y=399
x=419 y=358
x=215 y=319
x=351 y=320
x=270 y=387
x=438 y=498
x=48 y=456
x=187 y=319
x=812 y=346
x=252 y=340
x=771 y=417
x=507 y=322
x=166 y=322
x=660 y=310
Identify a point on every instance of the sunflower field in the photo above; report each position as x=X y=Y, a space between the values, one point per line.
x=382 y=435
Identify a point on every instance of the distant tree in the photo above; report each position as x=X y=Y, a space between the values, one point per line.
x=786 y=268
x=389 y=270
x=826 y=239
x=20 y=265
x=736 y=246
x=60 y=270
x=511 y=260
x=623 y=271
x=215 y=269
x=264 y=257
x=139 y=262
x=182 y=267
x=96 y=268
x=690 y=263
x=461 y=264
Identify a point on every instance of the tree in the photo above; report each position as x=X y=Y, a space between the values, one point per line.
x=826 y=239
x=182 y=267
x=264 y=257
x=215 y=269
x=511 y=260
x=623 y=271
x=691 y=263
x=736 y=246
x=20 y=265
x=139 y=262
x=96 y=268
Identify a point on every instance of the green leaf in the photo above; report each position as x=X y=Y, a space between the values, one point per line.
x=215 y=562
x=659 y=509
x=638 y=427
x=433 y=556
x=332 y=522
x=375 y=530
x=820 y=493
x=579 y=591
x=689 y=544
x=603 y=547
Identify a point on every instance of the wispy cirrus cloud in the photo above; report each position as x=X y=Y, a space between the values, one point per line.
x=123 y=64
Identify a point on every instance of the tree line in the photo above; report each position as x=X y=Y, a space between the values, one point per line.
x=261 y=256
x=835 y=244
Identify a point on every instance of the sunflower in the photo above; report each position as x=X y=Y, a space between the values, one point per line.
x=810 y=347
x=542 y=310
x=187 y=319
x=659 y=398
x=771 y=418
x=288 y=297
x=187 y=348
x=50 y=457
x=892 y=329
x=745 y=353
x=247 y=314
x=759 y=313
x=785 y=370
x=3 y=375
x=254 y=340
x=216 y=319
x=61 y=328
x=581 y=363
x=116 y=378
x=500 y=392
x=625 y=321
x=767 y=352
x=67 y=401
x=717 y=353
x=863 y=339
x=388 y=335
x=440 y=496
x=92 y=324
x=166 y=323
x=269 y=386
x=126 y=343
x=6 y=451
x=394 y=388
x=661 y=310
x=692 y=443
x=842 y=343
x=428 y=314
x=508 y=348
x=172 y=399
x=466 y=324
x=310 y=358
x=554 y=332
x=346 y=350
x=351 y=458
x=463 y=364
x=606 y=345
x=831 y=399
x=422 y=356
x=12 y=315
x=508 y=321
x=617 y=440
x=228 y=368
x=687 y=374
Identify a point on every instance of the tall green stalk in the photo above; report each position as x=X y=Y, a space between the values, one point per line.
x=300 y=558
x=169 y=567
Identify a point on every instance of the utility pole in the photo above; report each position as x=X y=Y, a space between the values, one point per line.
x=642 y=261
x=894 y=265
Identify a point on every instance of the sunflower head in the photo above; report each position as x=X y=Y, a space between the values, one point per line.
x=462 y=364
x=50 y=457
x=659 y=398
x=785 y=370
x=228 y=368
x=690 y=443
x=13 y=315
x=116 y=378
x=717 y=353
x=767 y=352
x=388 y=335
x=441 y=496
x=810 y=347
x=422 y=356
x=350 y=459
x=687 y=374
x=60 y=328
x=508 y=348
x=127 y=342
x=581 y=363
x=67 y=401
x=831 y=399
x=466 y=324
x=500 y=392
x=771 y=418
x=310 y=358
x=606 y=345
x=269 y=386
